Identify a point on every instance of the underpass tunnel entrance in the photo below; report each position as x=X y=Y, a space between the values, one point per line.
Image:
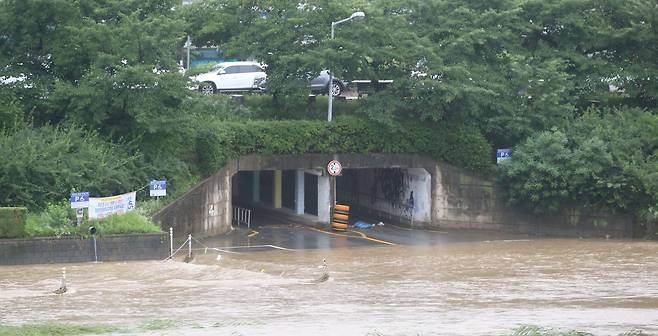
x=292 y=191
x=390 y=195
x=394 y=195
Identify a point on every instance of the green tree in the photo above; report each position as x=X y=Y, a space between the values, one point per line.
x=604 y=159
x=607 y=45
x=43 y=165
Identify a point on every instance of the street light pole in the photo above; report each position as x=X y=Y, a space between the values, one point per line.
x=331 y=83
x=188 y=44
x=354 y=16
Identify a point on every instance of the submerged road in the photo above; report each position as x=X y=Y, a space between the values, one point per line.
x=281 y=229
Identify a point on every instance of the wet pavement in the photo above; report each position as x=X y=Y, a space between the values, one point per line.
x=282 y=228
x=383 y=281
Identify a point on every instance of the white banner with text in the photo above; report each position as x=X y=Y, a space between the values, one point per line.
x=101 y=207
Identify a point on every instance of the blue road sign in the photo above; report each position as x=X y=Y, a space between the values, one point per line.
x=80 y=200
x=502 y=154
x=158 y=188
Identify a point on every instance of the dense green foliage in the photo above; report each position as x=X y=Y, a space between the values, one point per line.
x=609 y=160
x=54 y=220
x=224 y=141
x=604 y=159
x=510 y=67
x=12 y=222
x=44 y=164
x=100 y=103
x=308 y=108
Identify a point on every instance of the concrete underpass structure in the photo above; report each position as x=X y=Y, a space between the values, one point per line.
x=406 y=189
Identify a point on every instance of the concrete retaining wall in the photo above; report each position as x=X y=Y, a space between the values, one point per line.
x=458 y=199
x=153 y=246
x=464 y=201
x=205 y=209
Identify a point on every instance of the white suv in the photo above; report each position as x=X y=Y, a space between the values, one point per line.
x=232 y=77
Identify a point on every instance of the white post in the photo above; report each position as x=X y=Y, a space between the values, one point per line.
x=171 y=241
x=189 y=246
x=93 y=237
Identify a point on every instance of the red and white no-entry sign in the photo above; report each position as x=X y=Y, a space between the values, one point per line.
x=334 y=168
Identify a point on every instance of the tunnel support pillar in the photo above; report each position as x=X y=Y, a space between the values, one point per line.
x=324 y=199
x=299 y=192
x=278 y=186
x=255 y=187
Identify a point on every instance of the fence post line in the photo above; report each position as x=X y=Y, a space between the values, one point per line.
x=171 y=241
x=189 y=246
x=249 y=219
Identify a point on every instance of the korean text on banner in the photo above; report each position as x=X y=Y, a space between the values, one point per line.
x=101 y=207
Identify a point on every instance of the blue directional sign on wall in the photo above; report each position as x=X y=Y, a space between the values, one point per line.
x=502 y=154
x=79 y=200
x=158 y=188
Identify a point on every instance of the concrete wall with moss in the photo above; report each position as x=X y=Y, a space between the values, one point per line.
x=465 y=201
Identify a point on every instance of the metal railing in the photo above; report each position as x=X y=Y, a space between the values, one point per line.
x=242 y=216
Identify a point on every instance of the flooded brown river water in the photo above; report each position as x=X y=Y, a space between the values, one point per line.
x=471 y=288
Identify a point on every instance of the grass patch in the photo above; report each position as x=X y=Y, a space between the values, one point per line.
x=539 y=331
x=130 y=222
x=42 y=225
x=55 y=329
x=159 y=324
x=530 y=330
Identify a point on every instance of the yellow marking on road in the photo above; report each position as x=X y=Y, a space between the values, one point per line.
x=362 y=235
x=253 y=233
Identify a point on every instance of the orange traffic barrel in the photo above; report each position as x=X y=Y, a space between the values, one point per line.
x=341 y=217
x=339 y=226
x=342 y=208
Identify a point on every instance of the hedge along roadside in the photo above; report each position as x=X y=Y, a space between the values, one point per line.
x=12 y=222
x=217 y=143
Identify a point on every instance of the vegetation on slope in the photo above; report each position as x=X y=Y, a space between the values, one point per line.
x=101 y=104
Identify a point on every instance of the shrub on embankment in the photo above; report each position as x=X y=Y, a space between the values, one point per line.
x=130 y=222
x=217 y=143
x=44 y=164
x=58 y=220
x=12 y=222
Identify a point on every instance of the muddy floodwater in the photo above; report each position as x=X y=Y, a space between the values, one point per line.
x=468 y=288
